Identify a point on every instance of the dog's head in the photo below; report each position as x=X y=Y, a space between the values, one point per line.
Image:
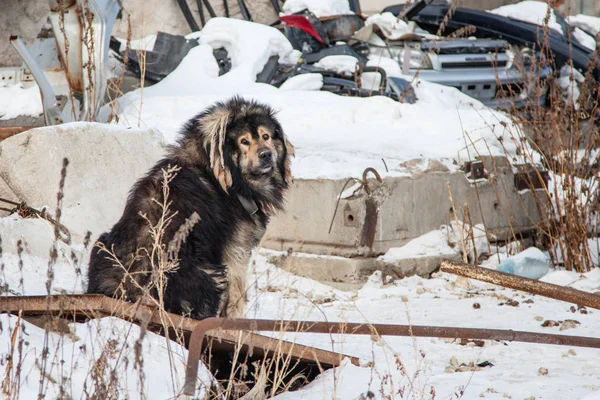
x=247 y=149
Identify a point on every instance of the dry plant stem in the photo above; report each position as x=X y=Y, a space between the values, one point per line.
x=50 y=274
x=6 y=389
x=467 y=222
x=475 y=184
x=163 y=260
x=567 y=148
x=447 y=17
x=460 y=233
x=163 y=257
x=115 y=90
x=90 y=67
x=61 y=26
x=141 y=54
x=399 y=365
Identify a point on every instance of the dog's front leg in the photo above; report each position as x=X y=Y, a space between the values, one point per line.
x=235 y=303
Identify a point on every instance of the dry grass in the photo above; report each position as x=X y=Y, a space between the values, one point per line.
x=556 y=132
x=561 y=136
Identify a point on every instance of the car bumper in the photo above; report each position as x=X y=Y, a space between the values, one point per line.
x=496 y=88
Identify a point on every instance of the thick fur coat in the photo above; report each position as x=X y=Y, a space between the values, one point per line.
x=234 y=167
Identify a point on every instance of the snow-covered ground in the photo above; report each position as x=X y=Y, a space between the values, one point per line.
x=335 y=137
x=15 y=100
x=96 y=359
x=390 y=367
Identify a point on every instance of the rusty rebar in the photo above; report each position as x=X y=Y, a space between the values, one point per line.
x=532 y=286
x=366 y=182
x=197 y=337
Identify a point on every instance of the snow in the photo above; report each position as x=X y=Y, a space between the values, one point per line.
x=586 y=40
x=586 y=27
x=99 y=346
x=339 y=64
x=327 y=130
x=569 y=80
x=392 y=27
x=321 y=8
x=15 y=100
x=303 y=82
x=587 y=23
x=433 y=243
x=35 y=237
x=415 y=365
x=530 y=11
x=388 y=364
x=449 y=241
x=146 y=43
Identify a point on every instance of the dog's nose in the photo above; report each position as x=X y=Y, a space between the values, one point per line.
x=265 y=155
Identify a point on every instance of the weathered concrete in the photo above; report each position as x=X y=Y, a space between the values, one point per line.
x=104 y=162
x=409 y=207
x=6 y=193
x=24 y=19
x=421 y=266
x=340 y=272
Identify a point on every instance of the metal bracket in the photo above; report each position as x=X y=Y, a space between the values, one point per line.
x=13 y=75
x=103 y=16
x=52 y=113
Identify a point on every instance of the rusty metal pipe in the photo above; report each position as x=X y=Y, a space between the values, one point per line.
x=532 y=286
x=197 y=337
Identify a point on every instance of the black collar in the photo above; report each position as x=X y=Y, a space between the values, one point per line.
x=248 y=204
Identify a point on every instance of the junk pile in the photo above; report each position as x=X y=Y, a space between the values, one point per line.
x=381 y=55
x=316 y=38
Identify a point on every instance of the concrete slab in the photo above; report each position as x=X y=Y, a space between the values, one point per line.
x=404 y=208
x=339 y=272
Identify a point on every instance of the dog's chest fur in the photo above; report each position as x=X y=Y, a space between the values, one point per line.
x=236 y=256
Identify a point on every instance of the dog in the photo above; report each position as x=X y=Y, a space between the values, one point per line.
x=234 y=168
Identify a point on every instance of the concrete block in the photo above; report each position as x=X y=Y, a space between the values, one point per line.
x=421 y=266
x=407 y=208
x=104 y=162
x=342 y=273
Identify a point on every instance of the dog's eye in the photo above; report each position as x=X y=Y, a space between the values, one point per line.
x=245 y=142
x=266 y=137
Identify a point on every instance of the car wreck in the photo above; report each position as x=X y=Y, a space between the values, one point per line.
x=558 y=47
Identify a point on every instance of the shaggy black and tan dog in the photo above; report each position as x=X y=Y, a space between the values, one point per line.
x=234 y=162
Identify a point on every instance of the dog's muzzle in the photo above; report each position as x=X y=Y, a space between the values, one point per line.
x=265 y=163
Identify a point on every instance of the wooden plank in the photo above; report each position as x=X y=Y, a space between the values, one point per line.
x=8 y=131
x=532 y=286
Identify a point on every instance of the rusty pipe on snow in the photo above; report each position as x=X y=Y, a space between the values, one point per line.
x=197 y=337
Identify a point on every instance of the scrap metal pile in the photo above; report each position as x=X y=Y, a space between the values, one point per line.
x=472 y=51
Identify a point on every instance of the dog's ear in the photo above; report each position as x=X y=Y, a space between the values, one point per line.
x=214 y=129
x=290 y=152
